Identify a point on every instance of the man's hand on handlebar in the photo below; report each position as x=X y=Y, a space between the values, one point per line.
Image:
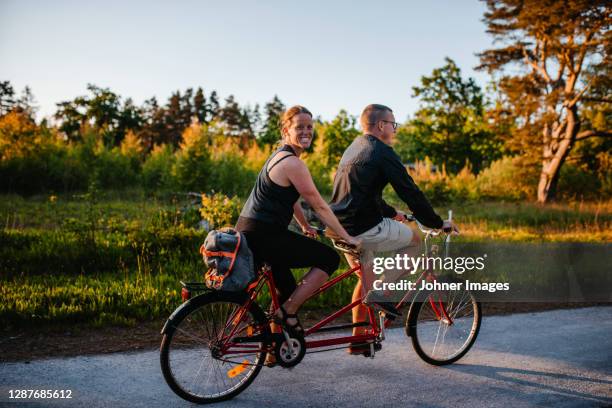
x=400 y=216
x=450 y=227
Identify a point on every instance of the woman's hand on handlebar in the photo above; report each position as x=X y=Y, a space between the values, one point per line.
x=355 y=242
x=309 y=231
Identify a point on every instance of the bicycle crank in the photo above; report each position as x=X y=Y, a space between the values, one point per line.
x=290 y=351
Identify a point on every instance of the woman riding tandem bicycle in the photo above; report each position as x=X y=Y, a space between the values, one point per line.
x=215 y=344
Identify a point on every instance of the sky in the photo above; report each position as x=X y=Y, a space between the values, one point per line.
x=325 y=55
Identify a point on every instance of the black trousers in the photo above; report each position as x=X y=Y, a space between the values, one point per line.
x=283 y=250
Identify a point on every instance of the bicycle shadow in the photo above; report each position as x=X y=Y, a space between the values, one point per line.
x=510 y=376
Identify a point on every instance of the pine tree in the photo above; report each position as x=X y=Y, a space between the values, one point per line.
x=199 y=106
x=212 y=109
x=7 y=97
x=270 y=133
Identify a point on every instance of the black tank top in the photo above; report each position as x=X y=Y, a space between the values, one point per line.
x=269 y=203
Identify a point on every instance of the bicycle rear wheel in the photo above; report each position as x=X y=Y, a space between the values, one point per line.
x=443 y=325
x=194 y=357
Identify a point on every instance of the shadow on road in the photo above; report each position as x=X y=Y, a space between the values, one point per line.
x=539 y=380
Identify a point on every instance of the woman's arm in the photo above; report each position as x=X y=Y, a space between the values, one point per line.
x=299 y=216
x=300 y=177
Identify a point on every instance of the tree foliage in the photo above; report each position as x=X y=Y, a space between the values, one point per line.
x=336 y=136
x=450 y=126
x=560 y=49
x=270 y=133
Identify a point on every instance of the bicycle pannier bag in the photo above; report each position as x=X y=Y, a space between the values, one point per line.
x=229 y=260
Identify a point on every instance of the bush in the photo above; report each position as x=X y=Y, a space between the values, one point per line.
x=463 y=185
x=157 y=169
x=507 y=179
x=218 y=210
x=113 y=169
x=193 y=166
x=605 y=173
x=577 y=183
x=230 y=175
x=434 y=184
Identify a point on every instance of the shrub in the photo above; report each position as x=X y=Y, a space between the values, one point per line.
x=218 y=210
x=577 y=183
x=434 y=184
x=157 y=169
x=507 y=179
x=463 y=185
x=230 y=175
x=113 y=169
x=193 y=166
x=605 y=173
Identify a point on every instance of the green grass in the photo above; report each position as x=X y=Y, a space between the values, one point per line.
x=118 y=257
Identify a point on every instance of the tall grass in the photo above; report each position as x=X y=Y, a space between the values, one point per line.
x=118 y=258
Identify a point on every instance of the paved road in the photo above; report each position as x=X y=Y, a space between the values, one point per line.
x=560 y=358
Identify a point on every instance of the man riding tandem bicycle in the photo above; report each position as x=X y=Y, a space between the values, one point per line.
x=215 y=343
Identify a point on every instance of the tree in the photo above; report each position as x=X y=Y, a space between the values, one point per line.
x=19 y=135
x=130 y=118
x=187 y=111
x=7 y=97
x=238 y=122
x=153 y=127
x=199 y=106
x=336 y=136
x=101 y=111
x=26 y=102
x=552 y=43
x=270 y=133
x=450 y=126
x=71 y=117
x=212 y=108
x=173 y=119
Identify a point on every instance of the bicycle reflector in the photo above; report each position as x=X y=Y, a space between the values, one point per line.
x=185 y=294
x=238 y=369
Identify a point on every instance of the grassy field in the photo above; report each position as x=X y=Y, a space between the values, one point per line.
x=117 y=257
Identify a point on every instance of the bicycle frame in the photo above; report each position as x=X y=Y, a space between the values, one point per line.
x=373 y=331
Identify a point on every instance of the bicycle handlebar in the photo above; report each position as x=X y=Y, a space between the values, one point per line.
x=344 y=247
x=431 y=231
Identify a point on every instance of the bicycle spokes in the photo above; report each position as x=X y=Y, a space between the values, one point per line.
x=203 y=359
x=446 y=322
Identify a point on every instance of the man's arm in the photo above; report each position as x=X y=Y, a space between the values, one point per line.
x=408 y=191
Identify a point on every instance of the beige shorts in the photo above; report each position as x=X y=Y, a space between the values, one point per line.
x=387 y=236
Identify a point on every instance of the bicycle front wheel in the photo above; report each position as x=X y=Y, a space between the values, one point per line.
x=199 y=358
x=443 y=325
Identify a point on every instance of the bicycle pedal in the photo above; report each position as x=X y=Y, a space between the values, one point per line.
x=389 y=316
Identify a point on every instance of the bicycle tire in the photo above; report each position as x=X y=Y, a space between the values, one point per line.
x=201 y=315
x=466 y=314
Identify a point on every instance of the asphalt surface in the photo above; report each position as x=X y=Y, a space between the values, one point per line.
x=560 y=358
